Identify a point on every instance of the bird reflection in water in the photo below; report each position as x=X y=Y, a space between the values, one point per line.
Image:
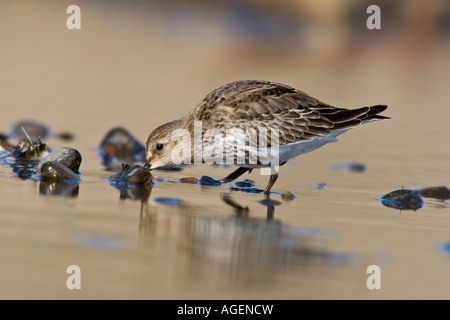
x=237 y=249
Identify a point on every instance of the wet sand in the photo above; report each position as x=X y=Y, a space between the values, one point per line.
x=138 y=68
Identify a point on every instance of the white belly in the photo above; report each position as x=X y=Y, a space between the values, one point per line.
x=288 y=151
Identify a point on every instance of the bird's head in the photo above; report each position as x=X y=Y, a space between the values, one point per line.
x=167 y=146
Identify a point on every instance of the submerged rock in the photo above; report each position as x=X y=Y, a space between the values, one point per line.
x=3 y=137
x=66 y=136
x=27 y=151
x=191 y=180
x=287 y=195
x=248 y=190
x=135 y=175
x=5 y=145
x=208 y=181
x=134 y=182
x=320 y=186
x=440 y=193
x=30 y=129
x=158 y=179
x=245 y=183
x=68 y=157
x=354 y=167
x=403 y=199
x=23 y=171
x=120 y=146
x=57 y=172
x=34 y=130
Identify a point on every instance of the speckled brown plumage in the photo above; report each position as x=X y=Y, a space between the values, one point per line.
x=298 y=116
x=303 y=123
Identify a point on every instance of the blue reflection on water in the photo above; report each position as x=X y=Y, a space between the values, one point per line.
x=100 y=242
x=169 y=201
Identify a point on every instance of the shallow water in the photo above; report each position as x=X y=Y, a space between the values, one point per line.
x=188 y=241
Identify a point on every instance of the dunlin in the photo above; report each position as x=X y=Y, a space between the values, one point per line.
x=300 y=122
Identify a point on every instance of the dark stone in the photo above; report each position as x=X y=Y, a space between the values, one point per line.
x=27 y=151
x=57 y=172
x=208 y=181
x=120 y=146
x=287 y=195
x=22 y=172
x=68 y=157
x=440 y=193
x=66 y=136
x=5 y=145
x=403 y=199
x=191 y=180
x=133 y=182
x=354 y=167
x=33 y=129
x=135 y=175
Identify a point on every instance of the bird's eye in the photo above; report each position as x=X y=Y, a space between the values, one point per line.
x=159 y=146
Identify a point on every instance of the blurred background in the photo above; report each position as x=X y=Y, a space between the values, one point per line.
x=132 y=59
x=138 y=64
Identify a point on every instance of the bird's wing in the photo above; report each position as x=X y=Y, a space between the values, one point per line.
x=268 y=105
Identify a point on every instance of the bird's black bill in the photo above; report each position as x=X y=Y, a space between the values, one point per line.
x=146 y=165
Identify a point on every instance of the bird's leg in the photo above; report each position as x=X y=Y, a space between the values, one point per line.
x=273 y=178
x=235 y=174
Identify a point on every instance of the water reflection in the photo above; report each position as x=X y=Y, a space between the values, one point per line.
x=135 y=192
x=59 y=188
x=236 y=249
x=242 y=211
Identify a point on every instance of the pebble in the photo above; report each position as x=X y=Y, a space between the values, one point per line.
x=69 y=157
x=191 y=180
x=66 y=136
x=57 y=172
x=320 y=186
x=33 y=129
x=134 y=182
x=440 y=193
x=159 y=179
x=120 y=146
x=131 y=175
x=354 y=167
x=27 y=151
x=208 y=181
x=6 y=146
x=287 y=195
x=403 y=199
x=22 y=172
